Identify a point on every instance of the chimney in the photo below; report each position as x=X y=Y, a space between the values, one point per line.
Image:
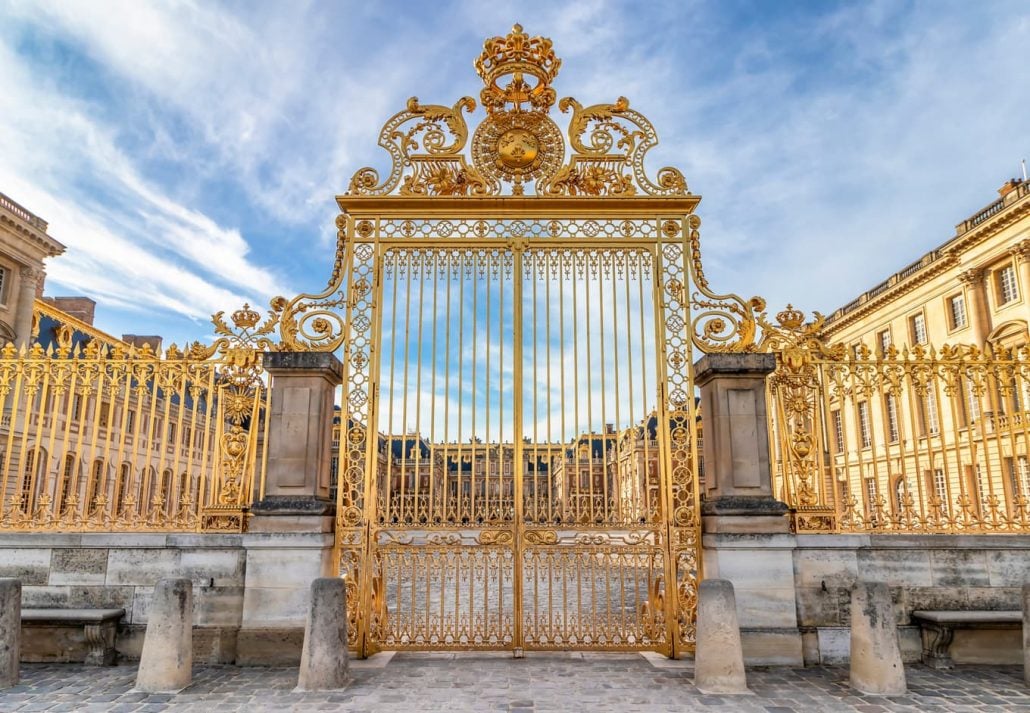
x=1009 y=186
x=81 y=308
x=139 y=340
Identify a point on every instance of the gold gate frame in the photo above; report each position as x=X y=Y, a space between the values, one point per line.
x=437 y=199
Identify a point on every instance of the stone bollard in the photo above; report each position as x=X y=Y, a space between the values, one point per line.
x=10 y=631
x=166 y=665
x=876 y=666
x=1026 y=633
x=719 y=659
x=323 y=661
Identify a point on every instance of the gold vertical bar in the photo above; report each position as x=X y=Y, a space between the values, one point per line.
x=517 y=466
x=649 y=507
x=391 y=438
x=475 y=359
x=433 y=508
x=573 y=482
x=601 y=263
x=590 y=390
x=616 y=323
x=535 y=276
x=489 y=256
x=14 y=365
x=406 y=356
x=462 y=263
x=549 y=451
x=449 y=506
x=418 y=492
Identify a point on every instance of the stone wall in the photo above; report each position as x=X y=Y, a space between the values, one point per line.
x=923 y=572
x=119 y=571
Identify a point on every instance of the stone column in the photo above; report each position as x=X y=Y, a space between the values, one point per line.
x=1021 y=252
x=27 y=279
x=1026 y=633
x=323 y=662
x=10 y=631
x=719 y=659
x=166 y=664
x=977 y=310
x=745 y=531
x=289 y=539
x=876 y=666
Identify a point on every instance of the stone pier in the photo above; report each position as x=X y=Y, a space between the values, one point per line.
x=719 y=659
x=745 y=532
x=876 y=666
x=289 y=539
x=10 y=632
x=323 y=662
x=166 y=665
x=1026 y=633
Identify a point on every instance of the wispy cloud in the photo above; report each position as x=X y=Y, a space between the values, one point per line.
x=188 y=152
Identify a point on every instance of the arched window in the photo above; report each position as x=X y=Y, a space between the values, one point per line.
x=69 y=483
x=96 y=486
x=167 y=494
x=32 y=478
x=123 y=488
x=900 y=489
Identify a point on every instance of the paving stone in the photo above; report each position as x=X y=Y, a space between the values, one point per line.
x=537 y=684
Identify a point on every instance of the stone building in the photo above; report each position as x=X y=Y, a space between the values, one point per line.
x=24 y=245
x=972 y=289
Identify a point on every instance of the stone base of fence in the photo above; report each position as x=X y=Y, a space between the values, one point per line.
x=251 y=591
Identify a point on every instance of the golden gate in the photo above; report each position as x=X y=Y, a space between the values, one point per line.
x=517 y=466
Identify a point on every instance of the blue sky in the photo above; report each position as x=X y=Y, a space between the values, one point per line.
x=188 y=153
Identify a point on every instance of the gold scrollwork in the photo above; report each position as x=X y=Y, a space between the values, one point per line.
x=435 y=165
x=496 y=537
x=541 y=537
x=611 y=163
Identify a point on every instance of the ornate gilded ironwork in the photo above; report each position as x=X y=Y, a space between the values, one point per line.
x=917 y=440
x=518 y=426
x=98 y=435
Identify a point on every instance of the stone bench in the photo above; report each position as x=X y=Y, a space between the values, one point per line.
x=69 y=635
x=938 y=630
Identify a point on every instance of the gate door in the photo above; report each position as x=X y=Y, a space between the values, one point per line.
x=516 y=463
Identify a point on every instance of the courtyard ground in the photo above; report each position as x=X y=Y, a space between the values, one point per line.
x=596 y=683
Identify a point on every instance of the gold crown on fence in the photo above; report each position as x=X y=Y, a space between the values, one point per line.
x=517 y=55
x=245 y=317
x=790 y=318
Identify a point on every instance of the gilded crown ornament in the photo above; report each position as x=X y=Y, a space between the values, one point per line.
x=518 y=143
x=517 y=55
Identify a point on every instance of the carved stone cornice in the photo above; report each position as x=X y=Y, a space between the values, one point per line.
x=935 y=268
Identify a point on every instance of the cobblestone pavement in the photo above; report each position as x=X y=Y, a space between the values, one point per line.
x=542 y=682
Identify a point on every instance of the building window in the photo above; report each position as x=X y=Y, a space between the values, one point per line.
x=1019 y=472
x=863 y=424
x=900 y=488
x=940 y=487
x=838 y=430
x=974 y=402
x=891 y=406
x=884 y=340
x=918 y=323
x=931 y=421
x=3 y=285
x=870 y=493
x=1007 y=285
x=957 y=311
x=982 y=488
